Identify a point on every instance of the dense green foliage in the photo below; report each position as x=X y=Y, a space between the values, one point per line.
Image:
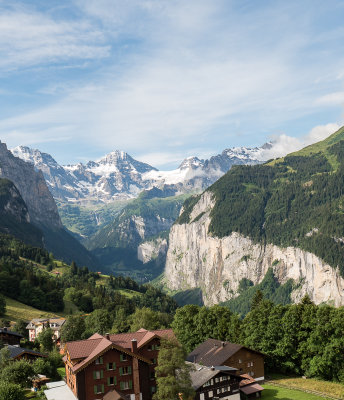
x=172 y=373
x=300 y=338
x=11 y=391
x=2 y=305
x=272 y=289
x=21 y=280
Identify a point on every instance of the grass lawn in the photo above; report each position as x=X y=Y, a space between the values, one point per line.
x=330 y=388
x=16 y=310
x=273 y=392
x=128 y=293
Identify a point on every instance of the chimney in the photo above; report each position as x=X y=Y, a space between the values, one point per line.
x=107 y=335
x=223 y=344
x=133 y=345
x=212 y=368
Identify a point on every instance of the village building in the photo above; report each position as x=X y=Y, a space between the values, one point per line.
x=249 y=388
x=36 y=326
x=114 y=367
x=10 y=337
x=215 y=382
x=218 y=353
x=19 y=353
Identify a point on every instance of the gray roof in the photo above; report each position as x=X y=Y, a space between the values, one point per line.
x=8 y=332
x=200 y=374
x=16 y=351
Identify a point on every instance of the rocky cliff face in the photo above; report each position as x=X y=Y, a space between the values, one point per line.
x=153 y=250
x=32 y=188
x=197 y=260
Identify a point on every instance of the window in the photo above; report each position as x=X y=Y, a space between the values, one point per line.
x=98 y=374
x=126 y=385
x=111 y=366
x=153 y=360
x=153 y=389
x=98 y=389
x=210 y=393
x=123 y=357
x=248 y=364
x=201 y=396
x=152 y=375
x=153 y=347
x=112 y=380
x=99 y=360
x=125 y=370
x=251 y=363
x=239 y=361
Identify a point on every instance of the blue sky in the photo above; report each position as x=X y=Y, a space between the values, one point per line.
x=166 y=79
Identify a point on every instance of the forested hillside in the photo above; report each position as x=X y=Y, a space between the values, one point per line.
x=294 y=201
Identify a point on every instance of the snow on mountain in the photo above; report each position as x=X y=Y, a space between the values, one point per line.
x=118 y=176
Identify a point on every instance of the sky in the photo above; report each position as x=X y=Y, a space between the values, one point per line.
x=167 y=79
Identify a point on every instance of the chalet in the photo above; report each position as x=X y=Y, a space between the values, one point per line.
x=9 y=337
x=217 y=353
x=36 y=326
x=215 y=382
x=114 y=367
x=20 y=353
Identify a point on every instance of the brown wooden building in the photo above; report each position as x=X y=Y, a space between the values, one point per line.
x=114 y=366
x=215 y=382
x=20 y=353
x=9 y=337
x=215 y=353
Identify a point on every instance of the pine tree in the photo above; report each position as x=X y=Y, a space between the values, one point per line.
x=172 y=373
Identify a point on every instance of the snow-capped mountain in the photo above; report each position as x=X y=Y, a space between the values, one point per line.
x=118 y=176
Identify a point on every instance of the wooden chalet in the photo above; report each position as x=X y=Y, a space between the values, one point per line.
x=10 y=337
x=215 y=382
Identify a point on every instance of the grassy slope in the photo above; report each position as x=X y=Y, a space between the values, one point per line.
x=273 y=392
x=16 y=311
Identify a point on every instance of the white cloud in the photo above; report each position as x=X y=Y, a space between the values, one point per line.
x=29 y=38
x=284 y=144
x=336 y=98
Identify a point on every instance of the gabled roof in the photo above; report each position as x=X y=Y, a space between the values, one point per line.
x=214 y=352
x=16 y=351
x=86 y=351
x=8 y=332
x=82 y=348
x=116 y=395
x=201 y=374
x=142 y=336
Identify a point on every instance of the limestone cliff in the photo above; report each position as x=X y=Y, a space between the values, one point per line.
x=32 y=188
x=217 y=265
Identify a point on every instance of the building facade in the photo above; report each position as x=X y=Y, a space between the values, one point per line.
x=10 y=337
x=216 y=353
x=215 y=382
x=103 y=366
x=36 y=326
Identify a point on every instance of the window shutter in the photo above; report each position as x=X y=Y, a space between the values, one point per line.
x=115 y=380
x=114 y=365
x=94 y=375
x=107 y=366
x=121 y=385
x=101 y=373
x=129 y=370
x=130 y=384
x=100 y=360
x=108 y=381
x=95 y=389
x=102 y=388
x=121 y=357
x=121 y=371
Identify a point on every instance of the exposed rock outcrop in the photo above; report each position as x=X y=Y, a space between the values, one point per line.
x=153 y=250
x=196 y=259
x=32 y=188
